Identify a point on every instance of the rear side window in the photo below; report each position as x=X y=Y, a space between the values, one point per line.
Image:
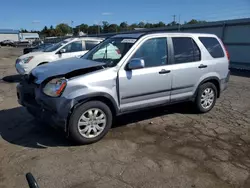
x=91 y=44
x=213 y=46
x=185 y=50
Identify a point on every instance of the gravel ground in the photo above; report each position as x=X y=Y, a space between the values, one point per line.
x=164 y=147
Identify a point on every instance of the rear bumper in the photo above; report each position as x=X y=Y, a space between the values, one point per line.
x=224 y=82
x=26 y=95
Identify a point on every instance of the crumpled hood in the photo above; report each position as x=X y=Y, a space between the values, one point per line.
x=62 y=67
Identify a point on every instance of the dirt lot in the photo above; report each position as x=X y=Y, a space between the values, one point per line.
x=164 y=147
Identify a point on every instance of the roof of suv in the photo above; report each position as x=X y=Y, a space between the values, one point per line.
x=87 y=38
x=138 y=35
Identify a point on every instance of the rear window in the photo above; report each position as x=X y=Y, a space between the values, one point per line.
x=213 y=46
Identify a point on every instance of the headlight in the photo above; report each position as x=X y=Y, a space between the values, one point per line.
x=27 y=59
x=55 y=87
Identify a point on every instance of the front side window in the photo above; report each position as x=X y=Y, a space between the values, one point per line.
x=213 y=46
x=185 y=50
x=110 y=51
x=153 y=52
x=74 y=47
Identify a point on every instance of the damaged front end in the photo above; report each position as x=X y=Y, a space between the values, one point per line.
x=53 y=110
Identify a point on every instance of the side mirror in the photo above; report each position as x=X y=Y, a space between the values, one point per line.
x=136 y=63
x=62 y=51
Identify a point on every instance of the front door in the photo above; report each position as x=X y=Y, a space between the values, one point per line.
x=150 y=85
x=73 y=49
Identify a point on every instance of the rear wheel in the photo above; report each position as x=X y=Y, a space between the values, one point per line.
x=206 y=97
x=90 y=122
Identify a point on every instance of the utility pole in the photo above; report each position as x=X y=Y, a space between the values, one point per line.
x=174 y=17
x=72 y=22
x=179 y=26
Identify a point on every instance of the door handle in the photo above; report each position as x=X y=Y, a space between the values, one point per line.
x=202 y=66
x=163 y=71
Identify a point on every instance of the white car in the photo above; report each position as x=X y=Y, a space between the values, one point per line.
x=72 y=47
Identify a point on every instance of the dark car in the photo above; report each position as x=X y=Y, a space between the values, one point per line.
x=22 y=44
x=7 y=43
x=36 y=48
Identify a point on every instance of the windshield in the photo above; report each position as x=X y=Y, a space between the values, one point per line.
x=111 y=51
x=56 y=46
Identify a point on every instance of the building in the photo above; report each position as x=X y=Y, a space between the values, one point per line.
x=9 y=34
x=29 y=37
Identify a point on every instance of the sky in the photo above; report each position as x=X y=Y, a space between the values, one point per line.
x=34 y=14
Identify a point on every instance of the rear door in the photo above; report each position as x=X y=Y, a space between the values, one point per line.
x=150 y=85
x=187 y=67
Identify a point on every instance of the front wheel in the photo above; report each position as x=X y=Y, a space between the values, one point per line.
x=90 y=122
x=206 y=97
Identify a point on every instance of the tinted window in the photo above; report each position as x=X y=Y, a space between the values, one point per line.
x=185 y=50
x=213 y=46
x=74 y=47
x=90 y=44
x=153 y=52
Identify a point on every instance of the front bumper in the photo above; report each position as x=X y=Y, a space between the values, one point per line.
x=48 y=111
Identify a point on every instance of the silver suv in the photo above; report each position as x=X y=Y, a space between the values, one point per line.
x=125 y=73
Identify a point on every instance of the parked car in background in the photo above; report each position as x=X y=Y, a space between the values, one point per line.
x=7 y=43
x=84 y=95
x=22 y=44
x=72 y=47
x=36 y=48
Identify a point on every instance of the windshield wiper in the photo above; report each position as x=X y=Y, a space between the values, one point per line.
x=106 y=52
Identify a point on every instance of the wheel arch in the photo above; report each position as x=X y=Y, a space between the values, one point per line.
x=212 y=79
x=103 y=97
x=42 y=63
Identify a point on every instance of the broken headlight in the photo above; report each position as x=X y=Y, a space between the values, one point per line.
x=55 y=87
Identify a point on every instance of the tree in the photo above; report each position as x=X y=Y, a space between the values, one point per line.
x=105 y=27
x=160 y=24
x=193 y=21
x=141 y=25
x=51 y=27
x=82 y=27
x=173 y=23
x=94 y=29
x=148 y=25
x=123 y=26
x=63 y=29
x=23 y=30
x=133 y=26
x=112 y=28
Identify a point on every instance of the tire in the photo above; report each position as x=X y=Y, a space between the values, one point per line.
x=80 y=134
x=202 y=99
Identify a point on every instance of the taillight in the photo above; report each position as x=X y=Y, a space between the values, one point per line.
x=118 y=51
x=228 y=57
